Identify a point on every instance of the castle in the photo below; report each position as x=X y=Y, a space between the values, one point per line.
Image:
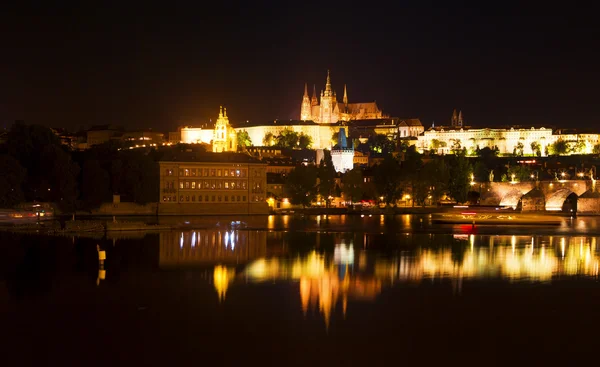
x=330 y=111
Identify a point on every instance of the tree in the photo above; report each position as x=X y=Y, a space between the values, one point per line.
x=353 y=184
x=287 y=139
x=95 y=184
x=243 y=139
x=269 y=140
x=433 y=180
x=456 y=146
x=387 y=176
x=301 y=185
x=481 y=172
x=519 y=173
x=380 y=143
x=459 y=183
x=579 y=147
x=434 y=144
x=410 y=167
x=326 y=174
x=11 y=180
x=536 y=148
x=559 y=147
x=519 y=149
x=596 y=149
x=58 y=181
x=304 y=141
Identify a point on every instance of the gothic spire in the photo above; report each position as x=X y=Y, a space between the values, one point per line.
x=345 y=100
x=305 y=90
x=328 y=84
x=220 y=111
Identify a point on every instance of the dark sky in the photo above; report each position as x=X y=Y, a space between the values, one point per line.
x=74 y=66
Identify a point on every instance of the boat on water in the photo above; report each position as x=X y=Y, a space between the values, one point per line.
x=501 y=217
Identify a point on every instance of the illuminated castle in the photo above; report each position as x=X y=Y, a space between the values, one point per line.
x=330 y=111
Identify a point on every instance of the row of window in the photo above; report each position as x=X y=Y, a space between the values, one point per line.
x=209 y=185
x=207 y=172
x=211 y=198
x=205 y=198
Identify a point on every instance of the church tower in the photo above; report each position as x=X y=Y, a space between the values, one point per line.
x=305 y=109
x=460 y=119
x=224 y=136
x=454 y=120
x=314 y=101
x=326 y=110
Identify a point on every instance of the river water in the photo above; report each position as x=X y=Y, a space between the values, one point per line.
x=339 y=290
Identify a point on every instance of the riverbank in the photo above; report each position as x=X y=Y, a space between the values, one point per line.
x=71 y=227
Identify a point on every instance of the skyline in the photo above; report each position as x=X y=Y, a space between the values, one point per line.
x=79 y=66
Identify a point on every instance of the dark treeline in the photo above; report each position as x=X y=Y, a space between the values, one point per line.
x=37 y=167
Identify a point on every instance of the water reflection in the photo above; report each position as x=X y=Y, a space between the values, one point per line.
x=209 y=246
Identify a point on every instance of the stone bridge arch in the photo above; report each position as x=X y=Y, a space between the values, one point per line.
x=512 y=198
x=563 y=200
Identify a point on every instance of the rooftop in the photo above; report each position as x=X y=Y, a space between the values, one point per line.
x=225 y=157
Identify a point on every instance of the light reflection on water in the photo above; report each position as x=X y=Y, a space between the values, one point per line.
x=345 y=267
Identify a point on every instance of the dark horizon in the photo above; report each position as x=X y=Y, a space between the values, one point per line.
x=82 y=65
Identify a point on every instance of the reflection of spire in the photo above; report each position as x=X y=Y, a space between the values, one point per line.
x=304 y=294
x=221 y=279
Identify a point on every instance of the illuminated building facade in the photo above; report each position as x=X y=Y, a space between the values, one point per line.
x=445 y=139
x=342 y=154
x=224 y=137
x=212 y=183
x=328 y=110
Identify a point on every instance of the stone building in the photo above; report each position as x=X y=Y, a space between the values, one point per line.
x=212 y=183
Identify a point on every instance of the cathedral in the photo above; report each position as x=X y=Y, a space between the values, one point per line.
x=328 y=110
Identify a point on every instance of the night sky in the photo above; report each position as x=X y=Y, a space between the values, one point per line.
x=76 y=66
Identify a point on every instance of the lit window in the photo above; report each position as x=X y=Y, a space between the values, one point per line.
x=181 y=184
x=193 y=184
x=225 y=173
x=187 y=184
x=218 y=173
x=187 y=172
x=226 y=185
x=212 y=172
x=237 y=173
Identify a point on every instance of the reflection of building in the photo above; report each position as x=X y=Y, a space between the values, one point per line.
x=328 y=110
x=323 y=284
x=212 y=183
x=222 y=277
x=509 y=257
x=210 y=247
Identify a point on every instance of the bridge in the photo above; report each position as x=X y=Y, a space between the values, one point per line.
x=569 y=196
